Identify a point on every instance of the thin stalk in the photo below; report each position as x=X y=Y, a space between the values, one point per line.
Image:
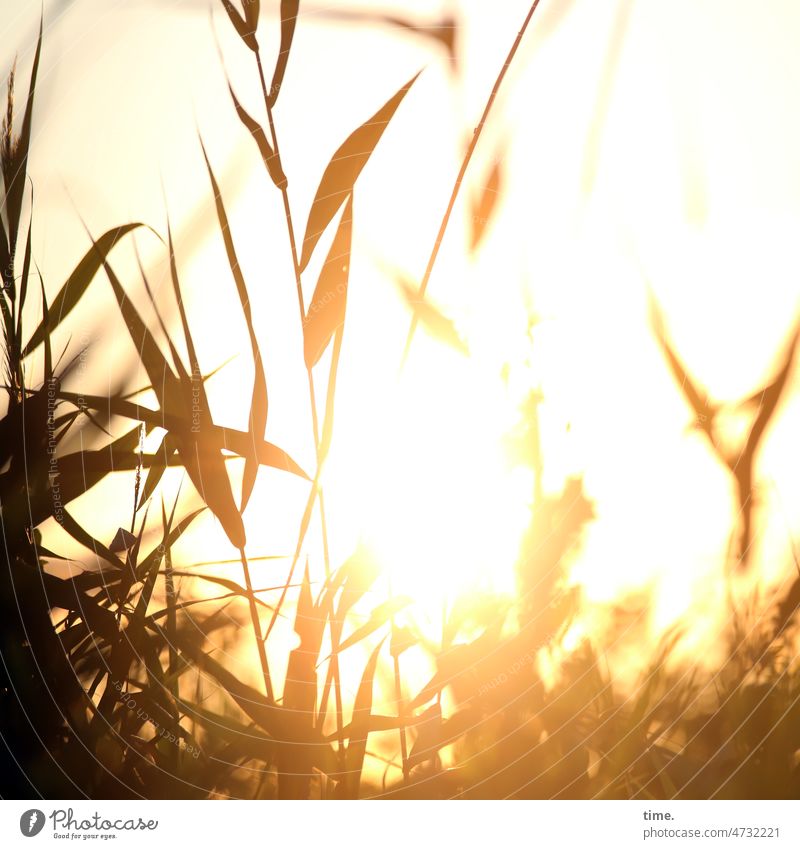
x=262 y=649
x=316 y=489
x=460 y=178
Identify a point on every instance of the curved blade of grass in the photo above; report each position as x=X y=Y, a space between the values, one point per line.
x=75 y=287
x=463 y=170
x=326 y=312
x=344 y=169
x=259 y=403
x=289 y=11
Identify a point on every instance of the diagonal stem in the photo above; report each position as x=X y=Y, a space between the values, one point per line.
x=460 y=178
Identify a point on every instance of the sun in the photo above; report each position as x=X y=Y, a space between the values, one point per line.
x=429 y=488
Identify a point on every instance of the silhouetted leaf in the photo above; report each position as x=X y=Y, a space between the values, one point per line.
x=326 y=312
x=233 y=440
x=343 y=171
x=72 y=291
x=258 y=403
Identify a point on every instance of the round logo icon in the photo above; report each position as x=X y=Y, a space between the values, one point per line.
x=31 y=822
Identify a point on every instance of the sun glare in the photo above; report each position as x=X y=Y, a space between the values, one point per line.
x=432 y=492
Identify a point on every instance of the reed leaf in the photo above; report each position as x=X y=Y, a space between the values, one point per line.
x=344 y=169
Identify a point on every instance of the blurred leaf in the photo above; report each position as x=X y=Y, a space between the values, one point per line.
x=343 y=171
x=444 y=32
x=429 y=316
x=379 y=616
x=245 y=28
x=788 y=608
x=326 y=312
x=289 y=10
x=72 y=291
x=485 y=206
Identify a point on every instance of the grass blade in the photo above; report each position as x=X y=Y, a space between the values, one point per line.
x=343 y=170
x=259 y=403
x=75 y=287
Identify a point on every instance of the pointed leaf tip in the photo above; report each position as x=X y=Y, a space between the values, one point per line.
x=344 y=169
